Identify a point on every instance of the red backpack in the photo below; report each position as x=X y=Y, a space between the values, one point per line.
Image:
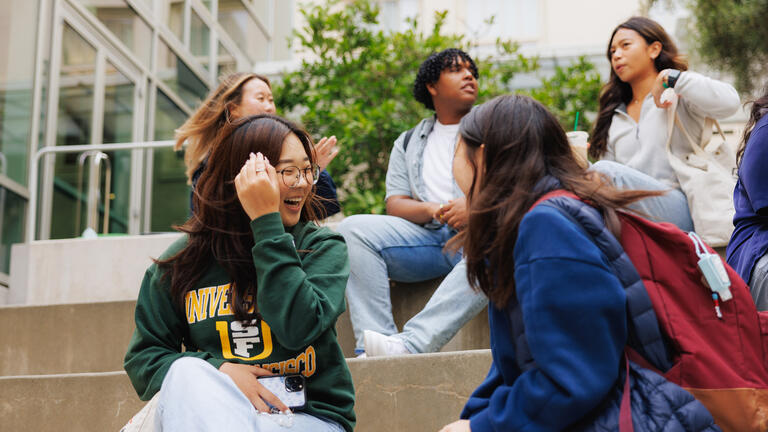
x=721 y=360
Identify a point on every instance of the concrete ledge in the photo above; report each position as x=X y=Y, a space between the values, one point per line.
x=86 y=270
x=82 y=270
x=93 y=337
x=410 y=393
x=70 y=338
x=422 y=392
x=79 y=402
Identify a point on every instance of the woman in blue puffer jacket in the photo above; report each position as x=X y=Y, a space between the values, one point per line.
x=558 y=316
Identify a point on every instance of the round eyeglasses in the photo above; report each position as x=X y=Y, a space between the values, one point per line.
x=292 y=175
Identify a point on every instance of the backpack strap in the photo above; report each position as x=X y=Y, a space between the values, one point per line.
x=408 y=138
x=553 y=194
x=644 y=333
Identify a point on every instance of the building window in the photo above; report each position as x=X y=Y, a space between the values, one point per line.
x=17 y=67
x=512 y=19
x=227 y=63
x=394 y=14
x=179 y=77
x=13 y=208
x=242 y=27
x=126 y=24
x=199 y=39
x=170 y=192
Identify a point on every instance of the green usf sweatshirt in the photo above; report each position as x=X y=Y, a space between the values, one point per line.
x=302 y=273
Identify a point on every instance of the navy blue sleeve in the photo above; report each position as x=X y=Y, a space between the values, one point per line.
x=326 y=190
x=481 y=397
x=575 y=323
x=753 y=172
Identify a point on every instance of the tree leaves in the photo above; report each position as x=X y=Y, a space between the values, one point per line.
x=733 y=37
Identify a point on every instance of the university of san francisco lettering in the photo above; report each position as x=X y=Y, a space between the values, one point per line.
x=238 y=341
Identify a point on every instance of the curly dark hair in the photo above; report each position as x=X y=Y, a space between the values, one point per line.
x=433 y=66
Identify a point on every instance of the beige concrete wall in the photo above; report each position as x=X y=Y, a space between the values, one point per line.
x=85 y=402
x=93 y=337
x=404 y=394
x=415 y=393
x=71 y=338
x=82 y=270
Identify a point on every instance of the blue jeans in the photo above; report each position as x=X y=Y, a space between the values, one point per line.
x=671 y=207
x=196 y=396
x=388 y=247
x=758 y=283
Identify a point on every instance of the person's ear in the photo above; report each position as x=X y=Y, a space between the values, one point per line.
x=431 y=89
x=232 y=110
x=654 y=50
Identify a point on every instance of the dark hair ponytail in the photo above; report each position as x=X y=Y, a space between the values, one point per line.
x=616 y=91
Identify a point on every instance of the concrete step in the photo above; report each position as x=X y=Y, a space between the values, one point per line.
x=93 y=337
x=69 y=338
x=409 y=393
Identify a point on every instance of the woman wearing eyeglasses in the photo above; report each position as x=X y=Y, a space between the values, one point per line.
x=240 y=95
x=254 y=288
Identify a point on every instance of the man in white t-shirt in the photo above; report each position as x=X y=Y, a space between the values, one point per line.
x=425 y=209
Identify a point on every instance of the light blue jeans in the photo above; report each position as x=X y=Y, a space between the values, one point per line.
x=196 y=396
x=671 y=207
x=758 y=283
x=388 y=247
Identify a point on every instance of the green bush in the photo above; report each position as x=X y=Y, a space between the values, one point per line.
x=573 y=89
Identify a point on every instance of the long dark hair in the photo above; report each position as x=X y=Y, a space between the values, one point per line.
x=524 y=143
x=219 y=230
x=759 y=109
x=616 y=91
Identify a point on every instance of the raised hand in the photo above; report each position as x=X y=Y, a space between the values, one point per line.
x=257 y=187
x=658 y=89
x=326 y=150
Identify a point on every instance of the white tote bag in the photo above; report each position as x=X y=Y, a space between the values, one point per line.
x=707 y=176
x=144 y=420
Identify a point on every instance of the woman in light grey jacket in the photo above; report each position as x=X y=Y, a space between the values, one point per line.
x=630 y=134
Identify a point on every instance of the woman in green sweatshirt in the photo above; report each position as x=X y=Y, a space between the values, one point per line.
x=254 y=288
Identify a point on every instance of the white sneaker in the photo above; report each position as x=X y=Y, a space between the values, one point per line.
x=377 y=345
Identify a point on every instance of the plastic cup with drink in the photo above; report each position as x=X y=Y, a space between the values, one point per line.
x=579 y=141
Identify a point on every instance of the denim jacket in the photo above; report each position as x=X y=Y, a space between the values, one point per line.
x=404 y=174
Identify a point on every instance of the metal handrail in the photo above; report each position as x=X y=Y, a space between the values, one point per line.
x=93 y=211
x=93 y=214
x=34 y=171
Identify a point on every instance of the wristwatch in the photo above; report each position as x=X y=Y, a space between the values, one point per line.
x=672 y=77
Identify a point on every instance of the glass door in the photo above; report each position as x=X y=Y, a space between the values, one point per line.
x=99 y=101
